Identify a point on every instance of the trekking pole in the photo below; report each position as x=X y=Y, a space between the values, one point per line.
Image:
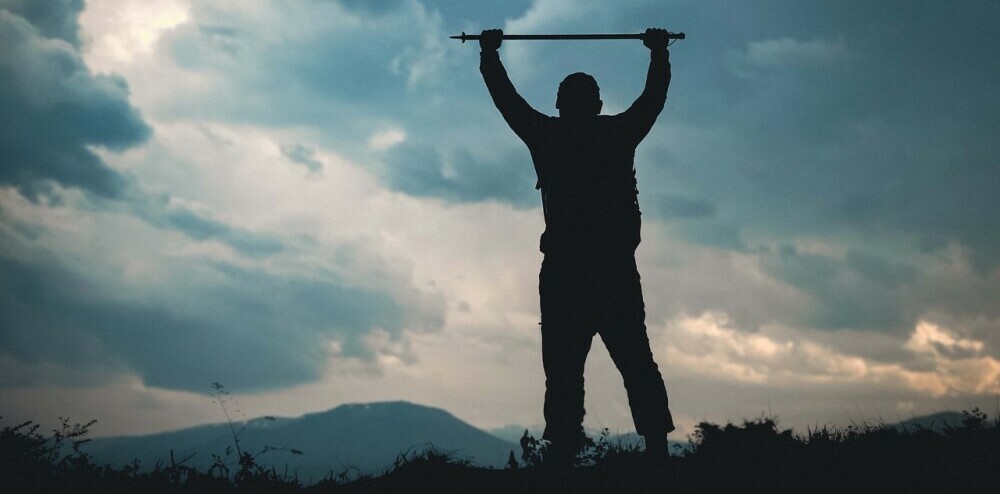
x=466 y=37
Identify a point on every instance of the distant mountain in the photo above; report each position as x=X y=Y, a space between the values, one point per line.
x=368 y=437
x=513 y=432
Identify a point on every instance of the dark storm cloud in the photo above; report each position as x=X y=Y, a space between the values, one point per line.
x=370 y=7
x=722 y=233
x=679 y=207
x=199 y=227
x=54 y=108
x=164 y=212
x=888 y=274
x=303 y=155
x=846 y=117
x=865 y=292
x=52 y=18
x=869 y=126
x=456 y=12
x=317 y=80
x=253 y=329
x=423 y=171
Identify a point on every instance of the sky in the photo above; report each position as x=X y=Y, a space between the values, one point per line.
x=315 y=202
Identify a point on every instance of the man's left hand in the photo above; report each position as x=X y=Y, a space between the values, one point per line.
x=655 y=38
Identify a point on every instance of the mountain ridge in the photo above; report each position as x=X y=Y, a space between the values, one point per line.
x=367 y=437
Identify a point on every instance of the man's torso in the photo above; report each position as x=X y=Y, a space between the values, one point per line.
x=587 y=178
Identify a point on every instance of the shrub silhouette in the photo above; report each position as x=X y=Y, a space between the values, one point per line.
x=755 y=456
x=249 y=471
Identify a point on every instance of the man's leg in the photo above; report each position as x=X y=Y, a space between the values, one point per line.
x=624 y=334
x=564 y=353
x=566 y=340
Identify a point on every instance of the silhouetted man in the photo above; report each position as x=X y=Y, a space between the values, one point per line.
x=589 y=282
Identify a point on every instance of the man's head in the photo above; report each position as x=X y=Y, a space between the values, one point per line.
x=579 y=96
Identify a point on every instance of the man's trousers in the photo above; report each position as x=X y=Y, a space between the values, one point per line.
x=581 y=297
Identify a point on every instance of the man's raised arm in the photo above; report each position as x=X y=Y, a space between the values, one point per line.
x=521 y=117
x=641 y=116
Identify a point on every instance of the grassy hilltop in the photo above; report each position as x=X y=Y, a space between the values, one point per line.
x=755 y=456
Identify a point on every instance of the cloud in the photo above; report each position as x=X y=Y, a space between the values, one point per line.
x=461 y=176
x=337 y=62
x=846 y=138
x=710 y=345
x=456 y=11
x=52 y=18
x=204 y=320
x=929 y=338
x=716 y=370
x=386 y=139
x=120 y=33
x=171 y=213
x=367 y=76
x=55 y=108
x=302 y=155
x=679 y=207
x=785 y=52
x=865 y=292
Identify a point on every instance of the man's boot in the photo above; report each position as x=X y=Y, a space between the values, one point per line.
x=657 y=451
x=563 y=453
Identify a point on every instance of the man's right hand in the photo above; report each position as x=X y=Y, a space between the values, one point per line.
x=655 y=38
x=490 y=40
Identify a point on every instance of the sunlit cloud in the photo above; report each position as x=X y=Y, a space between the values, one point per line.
x=711 y=346
x=386 y=139
x=120 y=32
